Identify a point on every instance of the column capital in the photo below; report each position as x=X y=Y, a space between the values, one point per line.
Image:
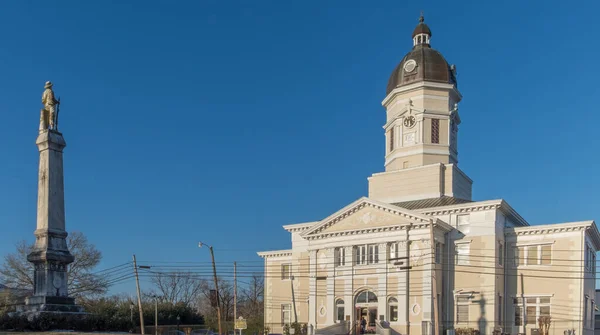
x=52 y=140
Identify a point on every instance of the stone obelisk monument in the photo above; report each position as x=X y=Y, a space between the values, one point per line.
x=50 y=255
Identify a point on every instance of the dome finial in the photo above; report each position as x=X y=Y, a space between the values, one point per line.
x=422 y=18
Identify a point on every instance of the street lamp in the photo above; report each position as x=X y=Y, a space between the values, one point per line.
x=212 y=255
x=155 y=313
x=178 y=323
x=131 y=307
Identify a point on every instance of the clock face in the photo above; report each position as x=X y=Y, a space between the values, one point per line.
x=409 y=121
x=410 y=65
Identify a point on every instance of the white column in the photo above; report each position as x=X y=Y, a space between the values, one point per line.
x=427 y=301
x=349 y=285
x=401 y=136
x=330 y=302
x=312 y=288
x=403 y=299
x=382 y=275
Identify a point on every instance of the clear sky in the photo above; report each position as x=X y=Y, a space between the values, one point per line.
x=222 y=121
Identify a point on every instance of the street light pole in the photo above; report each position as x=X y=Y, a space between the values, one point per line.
x=212 y=255
x=155 y=313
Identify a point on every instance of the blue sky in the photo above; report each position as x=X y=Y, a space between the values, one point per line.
x=221 y=121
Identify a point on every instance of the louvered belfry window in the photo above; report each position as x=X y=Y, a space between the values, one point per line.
x=435 y=130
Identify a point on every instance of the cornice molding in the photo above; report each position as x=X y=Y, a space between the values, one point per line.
x=359 y=204
x=320 y=236
x=588 y=226
x=422 y=84
x=474 y=207
x=542 y=231
x=275 y=253
x=298 y=227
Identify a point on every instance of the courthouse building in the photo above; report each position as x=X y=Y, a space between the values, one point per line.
x=419 y=241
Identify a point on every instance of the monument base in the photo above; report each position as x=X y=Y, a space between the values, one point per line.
x=35 y=305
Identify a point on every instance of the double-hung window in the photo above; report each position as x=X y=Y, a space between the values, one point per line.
x=462 y=254
x=531 y=309
x=438 y=253
x=286 y=271
x=394 y=253
x=463 y=223
x=462 y=309
x=367 y=254
x=590 y=259
x=534 y=255
x=286 y=314
x=340 y=256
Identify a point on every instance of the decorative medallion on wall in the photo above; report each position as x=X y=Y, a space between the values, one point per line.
x=415 y=309
x=323 y=261
x=322 y=311
x=416 y=254
x=367 y=218
x=57 y=281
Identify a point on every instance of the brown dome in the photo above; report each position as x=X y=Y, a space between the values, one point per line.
x=421 y=28
x=422 y=63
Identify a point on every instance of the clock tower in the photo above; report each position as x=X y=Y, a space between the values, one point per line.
x=421 y=129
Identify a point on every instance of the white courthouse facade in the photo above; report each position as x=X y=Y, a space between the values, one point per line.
x=419 y=240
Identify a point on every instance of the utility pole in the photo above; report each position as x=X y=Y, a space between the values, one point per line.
x=234 y=296
x=294 y=299
x=137 y=284
x=436 y=317
x=403 y=263
x=212 y=256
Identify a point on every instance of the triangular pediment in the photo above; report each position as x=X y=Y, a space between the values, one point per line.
x=408 y=109
x=366 y=215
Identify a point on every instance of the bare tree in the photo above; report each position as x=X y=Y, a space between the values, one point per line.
x=17 y=272
x=252 y=298
x=252 y=303
x=225 y=299
x=177 y=287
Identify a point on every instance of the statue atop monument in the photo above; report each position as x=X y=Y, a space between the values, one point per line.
x=49 y=114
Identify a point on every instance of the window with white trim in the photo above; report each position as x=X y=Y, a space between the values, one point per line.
x=590 y=259
x=367 y=254
x=499 y=310
x=339 y=305
x=462 y=309
x=534 y=255
x=394 y=253
x=286 y=314
x=462 y=253
x=286 y=271
x=340 y=256
x=438 y=253
x=393 y=309
x=463 y=223
x=534 y=308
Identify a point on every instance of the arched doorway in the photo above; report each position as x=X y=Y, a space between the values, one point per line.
x=365 y=303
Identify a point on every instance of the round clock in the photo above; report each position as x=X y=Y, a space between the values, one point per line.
x=409 y=121
x=410 y=65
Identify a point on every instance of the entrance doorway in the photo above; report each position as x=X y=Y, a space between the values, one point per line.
x=366 y=308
